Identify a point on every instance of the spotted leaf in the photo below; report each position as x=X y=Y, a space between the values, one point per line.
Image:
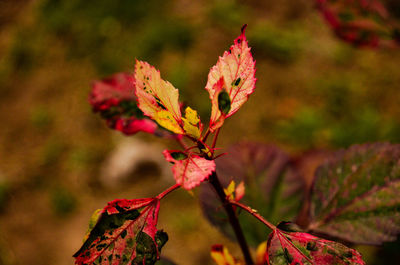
x=125 y=233
x=231 y=81
x=159 y=100
x=356 y=194
x=189 y=170
x=115 y=100
x=302 y=248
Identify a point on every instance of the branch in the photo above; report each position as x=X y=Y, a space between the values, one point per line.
x=233 y=220
x=254 y=213
x=167 y=191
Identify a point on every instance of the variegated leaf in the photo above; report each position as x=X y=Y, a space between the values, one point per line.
x=189 y=170
x=234 y=74
x=125 y=233
x=302 y=248
x=356 y=195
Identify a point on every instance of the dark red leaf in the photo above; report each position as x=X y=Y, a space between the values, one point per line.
x=356 y=195
x=125 y=233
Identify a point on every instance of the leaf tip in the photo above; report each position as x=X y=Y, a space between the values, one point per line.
x=243 y=29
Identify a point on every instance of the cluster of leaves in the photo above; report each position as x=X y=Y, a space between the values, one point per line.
x=354 y=190
x=362 y=22
x=125 y=232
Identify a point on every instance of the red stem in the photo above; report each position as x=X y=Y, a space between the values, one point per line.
x=167 y=191
x=254 y=213
x=215 y=140
x=206 y=135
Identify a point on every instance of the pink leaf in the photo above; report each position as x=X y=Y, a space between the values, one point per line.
x=302 y=248
x=115 y=100
x=125 y=233
x=131 y=126
x=111 y=91
x=189 y=170
x=237 y=69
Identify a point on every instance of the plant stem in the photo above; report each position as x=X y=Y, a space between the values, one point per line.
x=233 y=220
x=215 y=140
x=167 y=191
x=254 y=213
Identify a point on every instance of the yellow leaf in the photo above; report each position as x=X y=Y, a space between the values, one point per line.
x=157 y=98
x=165 y=119
x=191 y=123
x=191 y=116
x=230 y=189
x=220 y=254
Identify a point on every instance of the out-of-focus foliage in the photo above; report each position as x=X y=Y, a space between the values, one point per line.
x=370 y=23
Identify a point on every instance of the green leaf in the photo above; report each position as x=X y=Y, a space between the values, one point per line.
x=356 y=195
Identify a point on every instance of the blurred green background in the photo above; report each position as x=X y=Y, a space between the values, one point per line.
x=313 y=92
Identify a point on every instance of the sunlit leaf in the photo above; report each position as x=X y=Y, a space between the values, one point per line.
x=125 y=233
x=356 y=195
x=158 y=99
x=191 y=123
x=362 y=22
x=233 y=76
x=302 y=248
x=115 y=100
x=273 y=187
x=189 y=170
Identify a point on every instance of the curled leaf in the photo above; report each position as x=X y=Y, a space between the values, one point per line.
x=189 y=170
x=302 y=248
x=231 y=81
x=125 y=233
x=115 y=100
x=356 y=194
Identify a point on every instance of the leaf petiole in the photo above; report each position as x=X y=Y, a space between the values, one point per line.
x=167 y=191
x=254 y=213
